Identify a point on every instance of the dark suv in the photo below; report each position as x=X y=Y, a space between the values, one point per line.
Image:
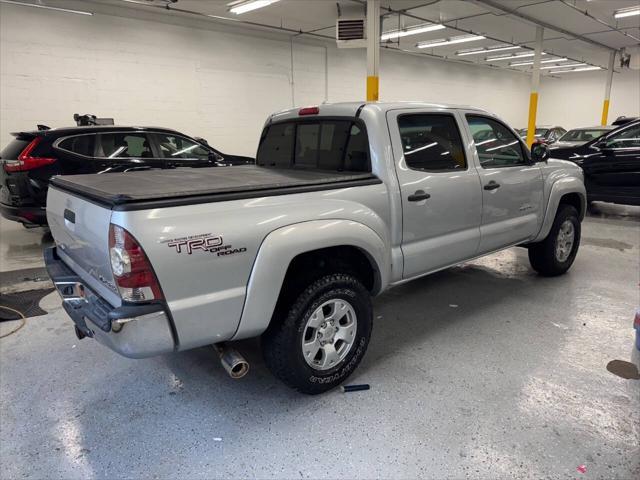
x=611 y=164
x=32 y=158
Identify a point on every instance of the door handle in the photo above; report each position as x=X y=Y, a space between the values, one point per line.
x=418 y=196
x=492 y=185
x=69 y=215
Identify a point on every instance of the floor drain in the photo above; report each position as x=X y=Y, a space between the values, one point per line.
x=24 y=302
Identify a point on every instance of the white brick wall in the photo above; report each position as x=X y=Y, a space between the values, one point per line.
x=206 y=79
x=575 y=100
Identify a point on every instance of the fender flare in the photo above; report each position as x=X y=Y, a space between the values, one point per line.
x=559 y=188
x=281 y=246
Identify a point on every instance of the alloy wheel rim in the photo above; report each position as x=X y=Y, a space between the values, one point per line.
x=565 y=240
x=329 y=334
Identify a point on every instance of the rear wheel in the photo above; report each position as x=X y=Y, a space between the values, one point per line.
x=556 y=253
x=322 y=337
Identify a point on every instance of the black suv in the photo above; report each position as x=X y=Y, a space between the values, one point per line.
x=611 y=164
x=32 y=158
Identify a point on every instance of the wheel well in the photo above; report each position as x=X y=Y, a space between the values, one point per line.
x=307 y=267
x=344 y=259
x=574 y=200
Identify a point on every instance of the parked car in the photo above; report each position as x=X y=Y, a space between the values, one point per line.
x=543 y=134
x=622 y=120
x=345 y=201
x=580 y=136
x=33 y=157
x=611 y=164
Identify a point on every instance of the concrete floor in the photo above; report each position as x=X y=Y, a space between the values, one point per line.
x=483 y=371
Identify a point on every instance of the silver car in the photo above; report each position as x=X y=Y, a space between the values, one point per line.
x=580 y=136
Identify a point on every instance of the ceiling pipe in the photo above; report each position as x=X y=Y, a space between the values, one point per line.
x=235 y=21
x=493 y=4
x=602 y=22
x=455 y=27
x=391 y=11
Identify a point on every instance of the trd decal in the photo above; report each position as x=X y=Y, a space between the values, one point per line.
x=205 y=242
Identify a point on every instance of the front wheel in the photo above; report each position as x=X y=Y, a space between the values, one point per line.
x=556 y=253
x=323 y=336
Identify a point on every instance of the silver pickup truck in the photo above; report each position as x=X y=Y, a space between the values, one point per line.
x=345 y=201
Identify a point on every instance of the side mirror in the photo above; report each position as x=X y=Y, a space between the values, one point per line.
x=539 y=152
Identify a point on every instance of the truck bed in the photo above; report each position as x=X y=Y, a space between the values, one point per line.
x=140 y=190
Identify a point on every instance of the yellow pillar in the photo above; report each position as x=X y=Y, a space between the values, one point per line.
x=535 y=84
x=373 y=49
x=372 y=89
x=605 y=112
x=607 y=89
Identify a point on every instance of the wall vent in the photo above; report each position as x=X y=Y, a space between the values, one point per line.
x=351 y=33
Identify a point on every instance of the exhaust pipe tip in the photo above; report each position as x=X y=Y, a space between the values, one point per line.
x=238 y=370
x=231 y=360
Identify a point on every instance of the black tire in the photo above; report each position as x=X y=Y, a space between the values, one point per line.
x=542 y=255
x=282 y=342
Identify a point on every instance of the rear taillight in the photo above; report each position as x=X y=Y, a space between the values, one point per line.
x=636 y=320
x=131 y=268
x=26 y=161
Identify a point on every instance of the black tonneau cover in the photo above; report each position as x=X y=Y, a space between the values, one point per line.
x=184 y=186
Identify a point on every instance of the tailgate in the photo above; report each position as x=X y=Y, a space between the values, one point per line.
x=81 y=231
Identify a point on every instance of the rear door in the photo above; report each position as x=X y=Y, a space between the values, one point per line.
x=615 y=169
x=124 y=151
x=440 y=189
x=512 y=187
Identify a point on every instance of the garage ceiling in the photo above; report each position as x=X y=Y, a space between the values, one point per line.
x=586 y=29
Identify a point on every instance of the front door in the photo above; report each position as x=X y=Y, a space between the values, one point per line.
x=512 y=187
x=440 y=189
x=613 y=173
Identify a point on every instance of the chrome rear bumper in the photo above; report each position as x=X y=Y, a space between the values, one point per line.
x=134 y=331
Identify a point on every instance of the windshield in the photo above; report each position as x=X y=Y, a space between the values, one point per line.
x=583 y=135
x=540 y=132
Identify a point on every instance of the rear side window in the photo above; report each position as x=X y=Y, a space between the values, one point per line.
x=177 y=147
x=13 y=149
x=339 y=145
x=80 y=144
x=124 y=145
x=431 y=142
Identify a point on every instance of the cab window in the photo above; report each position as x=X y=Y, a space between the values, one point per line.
x=431 y=142
x=338 y=145
x=496 y=145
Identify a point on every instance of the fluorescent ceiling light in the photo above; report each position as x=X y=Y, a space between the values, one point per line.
x=562 y=66
x=584 y=69
x=513 y=57
x=415 y=30
x=449 y=41
x=462 y=53
x=627 y=12
x=67 y=10
x=249 y=5
x=521 y=64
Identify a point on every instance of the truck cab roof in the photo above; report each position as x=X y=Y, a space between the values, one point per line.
x=350 y=109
